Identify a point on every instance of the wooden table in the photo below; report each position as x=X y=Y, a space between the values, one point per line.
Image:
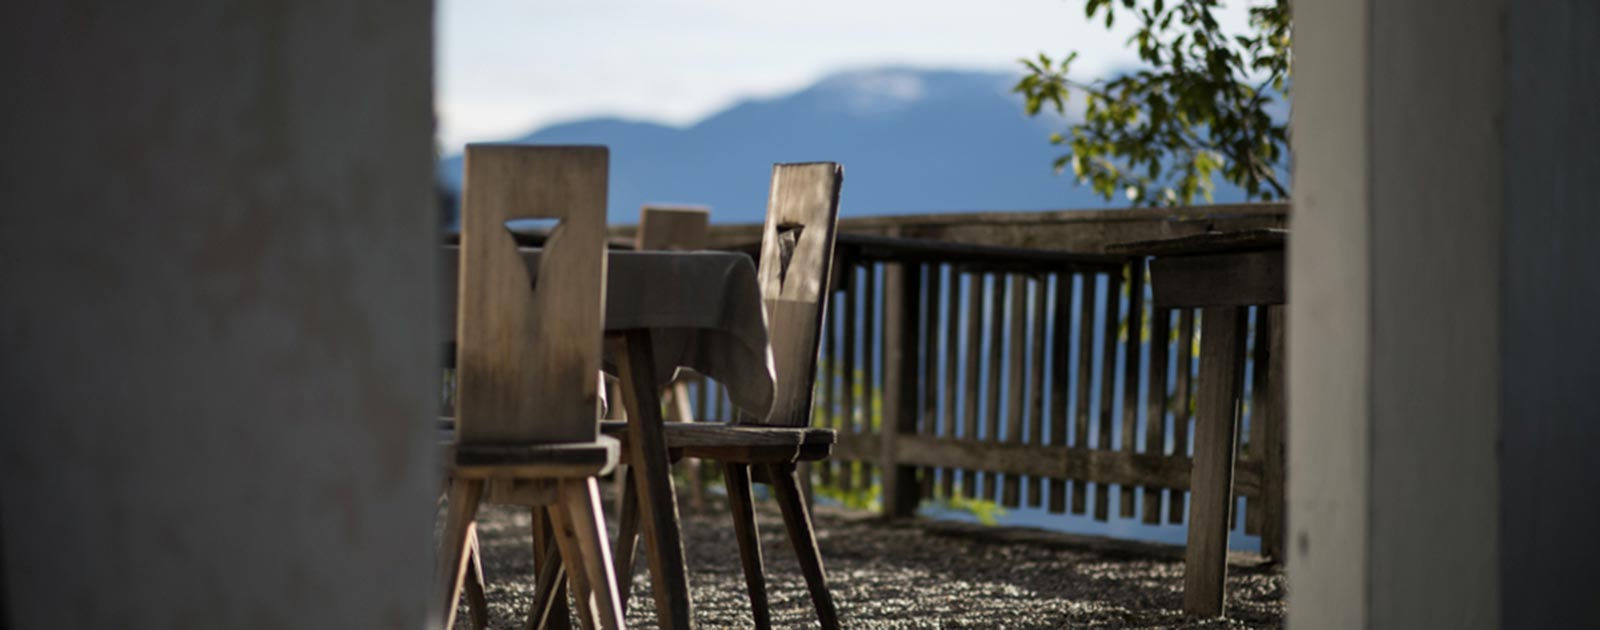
x=700 y=310
x=1222 y=274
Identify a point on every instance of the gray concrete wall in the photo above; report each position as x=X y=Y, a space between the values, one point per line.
x=1550 y=319
x=219 y=359
x=1329 y=330
x=1434 y=209
x=1443 y=295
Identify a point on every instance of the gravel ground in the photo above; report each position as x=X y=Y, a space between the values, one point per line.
x=918 y=574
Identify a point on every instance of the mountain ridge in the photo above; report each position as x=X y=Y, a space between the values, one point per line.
x=910 y=140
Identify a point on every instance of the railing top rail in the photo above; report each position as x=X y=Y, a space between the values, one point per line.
x=873 y=248
x=1079 y=231
x=990 y=217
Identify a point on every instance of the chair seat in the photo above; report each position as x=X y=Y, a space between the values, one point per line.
x=533 y=460
x=738 y=442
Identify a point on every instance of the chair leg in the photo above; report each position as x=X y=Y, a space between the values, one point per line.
x=737 y=477
x=627 y=546
x=797 y=519
x=477 y=602
x=647 y=456
x=452 y=561
x=550 y=610
x=580 y=501
x=572 y=558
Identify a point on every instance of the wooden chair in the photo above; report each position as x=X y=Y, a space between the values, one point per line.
x=526 y=392
x=796 y=255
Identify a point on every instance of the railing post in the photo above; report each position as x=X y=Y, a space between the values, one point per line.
x=1273 y=471
x=902 y=297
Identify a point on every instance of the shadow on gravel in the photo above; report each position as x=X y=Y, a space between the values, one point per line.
x=914 y=574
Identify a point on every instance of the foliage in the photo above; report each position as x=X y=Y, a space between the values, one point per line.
x=1198 y=109
x=986 y=511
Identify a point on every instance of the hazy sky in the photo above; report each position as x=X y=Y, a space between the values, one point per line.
x=506 y=67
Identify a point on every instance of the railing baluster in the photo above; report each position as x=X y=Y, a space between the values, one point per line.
x=952 y=356
x=1155 y=424
x=1060 y=373
x=1080 y=429
x=1130 y=381
x=1272 y=417
x=974 y=345
x=930 y=368
x=868 y=296
x=902 y=295
x=1180 y=413
x=1108 y=383
x=1016 y=380
x=1039 y=290
x=1253 y=435
x=846 y=367
x=991 y=416
x=872 y=350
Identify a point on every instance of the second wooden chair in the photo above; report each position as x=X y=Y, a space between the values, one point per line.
x=794 y=271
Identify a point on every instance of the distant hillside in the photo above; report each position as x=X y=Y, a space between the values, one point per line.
x=909 y=140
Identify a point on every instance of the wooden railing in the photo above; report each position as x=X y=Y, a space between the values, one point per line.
x=1005 y=357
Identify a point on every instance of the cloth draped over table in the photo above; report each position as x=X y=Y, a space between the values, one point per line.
x=703 y=310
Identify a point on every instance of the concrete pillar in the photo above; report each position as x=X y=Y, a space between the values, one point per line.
x=1443 y=295
x=216 y=309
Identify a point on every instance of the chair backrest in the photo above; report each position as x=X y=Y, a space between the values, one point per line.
x=672 y=228
x=795 y=268
x=528 y=349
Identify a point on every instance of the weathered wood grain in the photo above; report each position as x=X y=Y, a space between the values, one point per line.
x=1253 y=446
x=992 y=393
x=1244 y=279
x=902 y=297
x=1084 y=231
x=849 y=298
x=826 y=390
x=1039 y=290
x=1273 y=416
x=797 y=520
x=1156 y=418
x=580 y=508
x=647 y=460
x=1080 y=423
x=1016 y=379
x=737 y=479
x=1060 y=386
x=1091 y=465
x=1131 y=375
x=796 y=264
x=871 y=343
x=1180 y=407
x=1221 y=373
x=952 y=359
x=526 y=361
x=451 y=565
x=673 y=228
x=929 y=422
x=974 y=349
x=1108 y=385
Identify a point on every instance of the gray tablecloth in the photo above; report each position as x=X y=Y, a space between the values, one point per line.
x=703 y=310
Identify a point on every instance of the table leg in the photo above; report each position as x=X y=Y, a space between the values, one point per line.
x=647 y=455
x=1215 y=446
